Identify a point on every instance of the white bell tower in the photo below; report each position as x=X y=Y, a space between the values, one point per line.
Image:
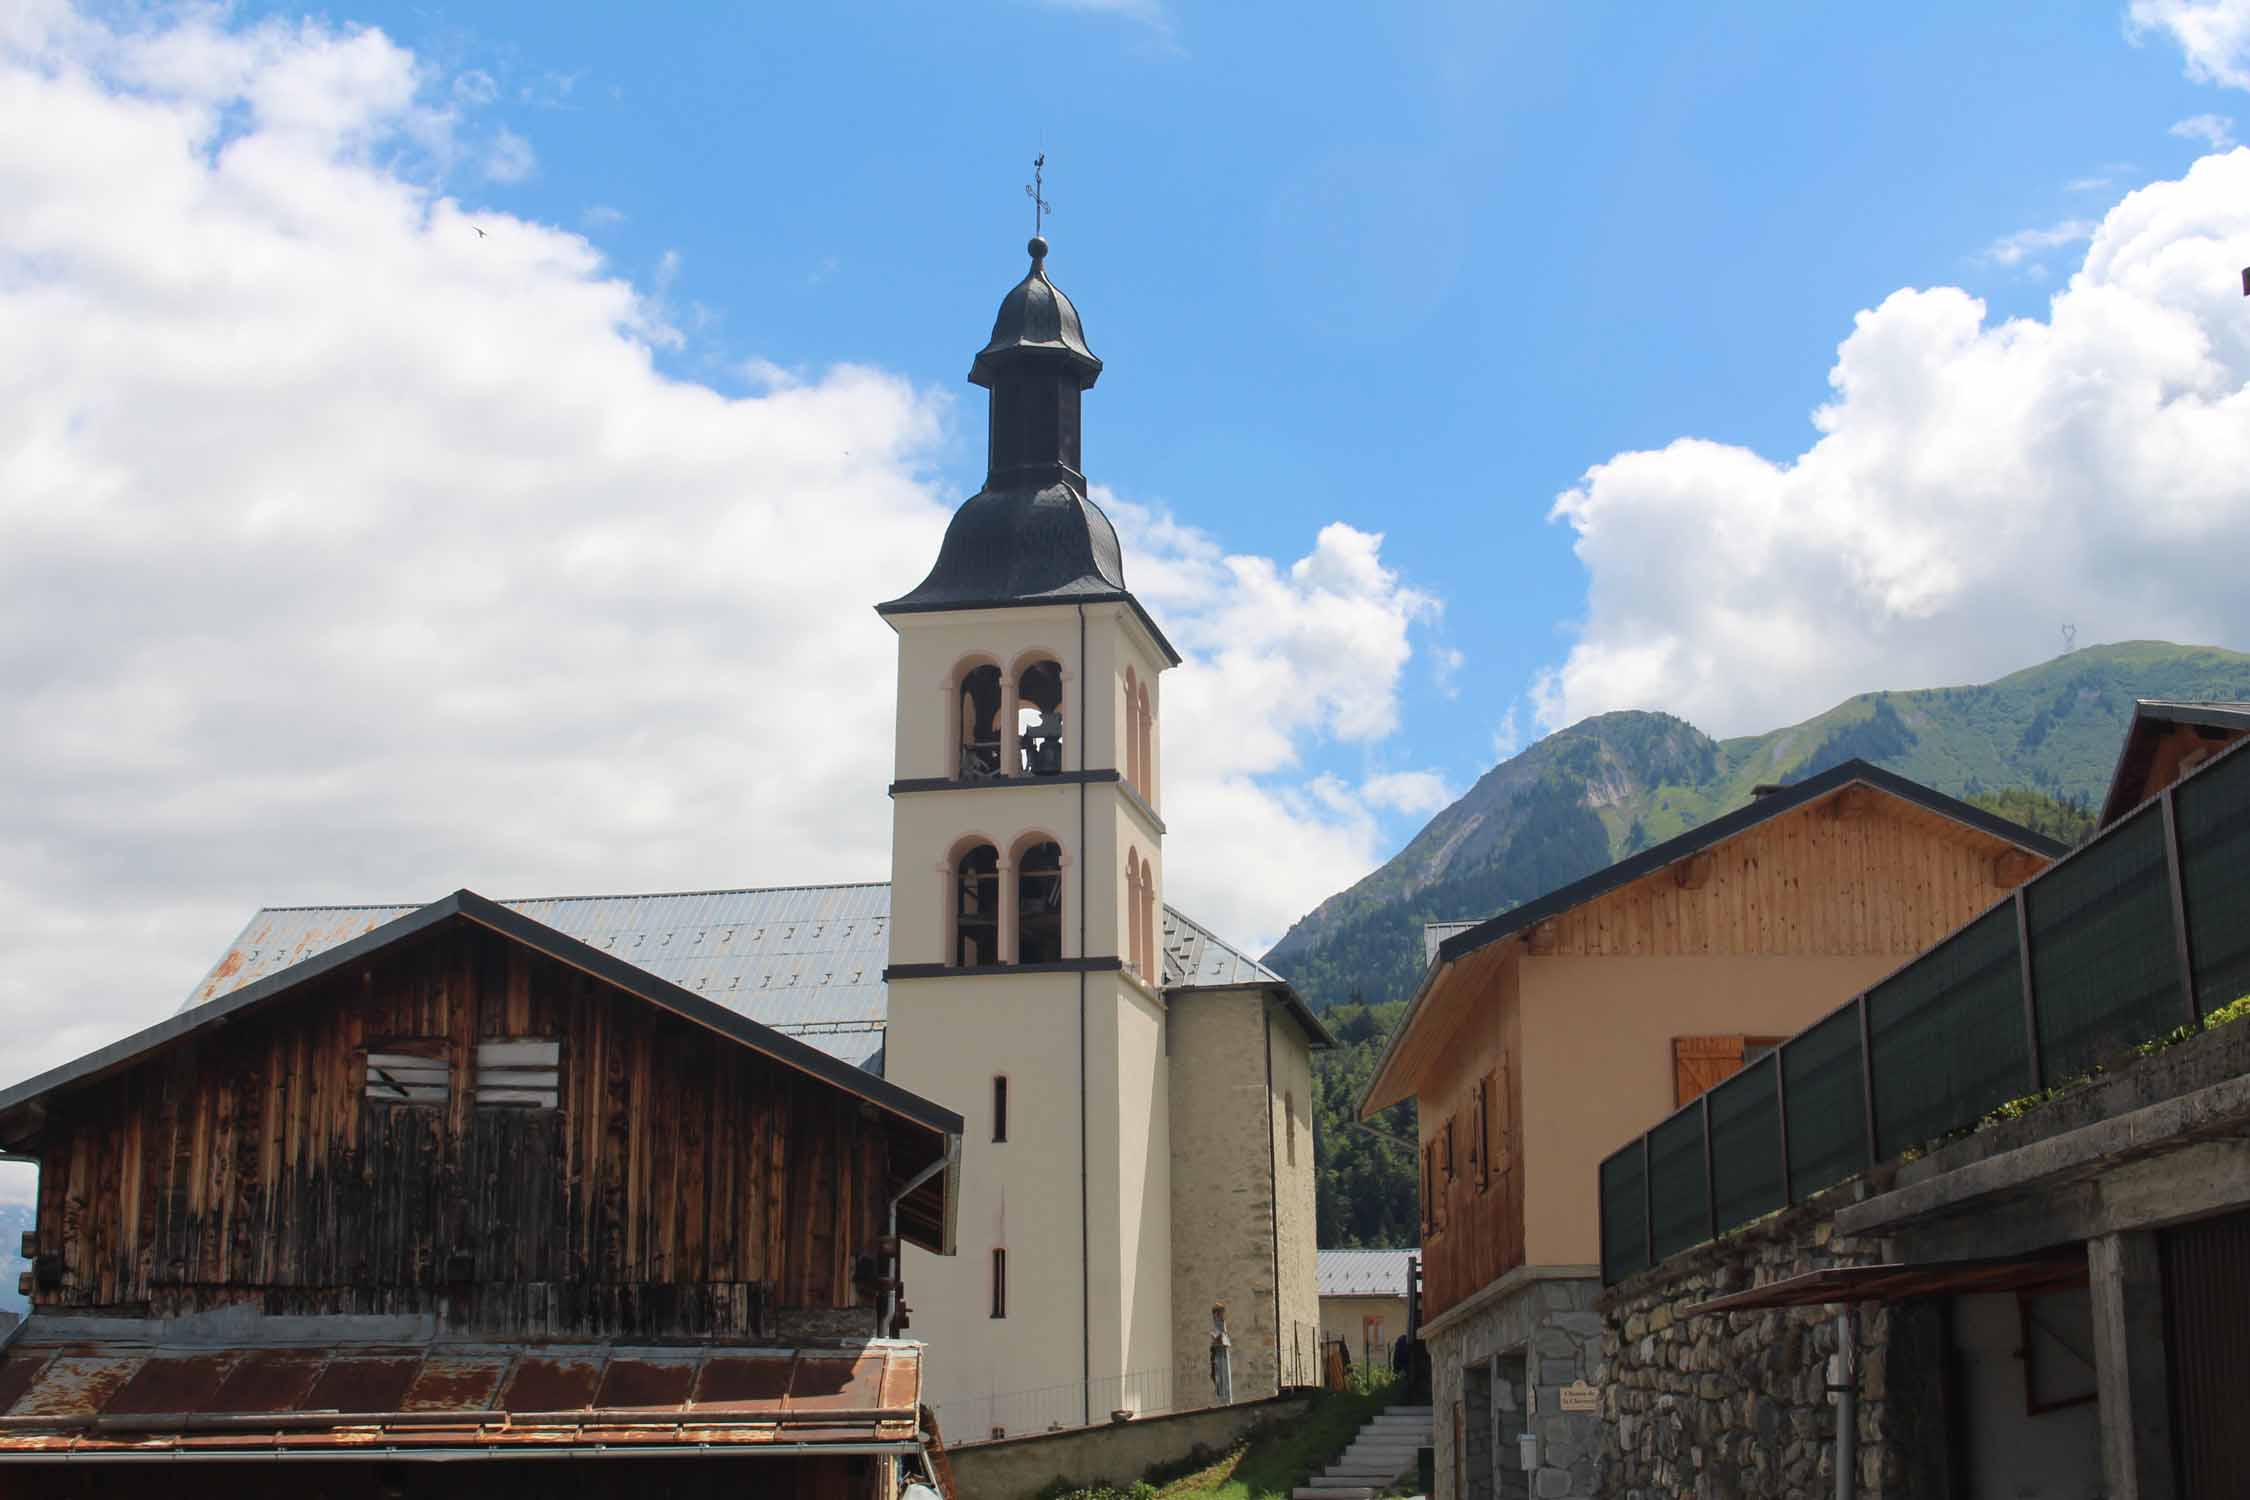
x=1027 y=870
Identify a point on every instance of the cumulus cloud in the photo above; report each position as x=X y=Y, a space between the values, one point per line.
x=1974 y=485
x=2213 y=35
x=2214 y=131
x=348 y=556
x=1278 y=659
x=1422 y=792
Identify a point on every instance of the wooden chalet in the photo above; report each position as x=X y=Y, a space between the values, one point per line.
x=1539 y=1039
x=467 y=1189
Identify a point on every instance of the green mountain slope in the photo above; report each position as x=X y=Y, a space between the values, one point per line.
x=1587 y=795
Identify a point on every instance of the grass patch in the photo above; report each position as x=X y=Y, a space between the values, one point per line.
x=1279 y=1456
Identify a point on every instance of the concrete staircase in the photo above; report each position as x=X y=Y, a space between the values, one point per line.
x=1383 y=1450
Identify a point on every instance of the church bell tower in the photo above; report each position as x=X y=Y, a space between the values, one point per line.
x=1026 y=963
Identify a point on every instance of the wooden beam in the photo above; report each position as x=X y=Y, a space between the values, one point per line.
x=1541 y=939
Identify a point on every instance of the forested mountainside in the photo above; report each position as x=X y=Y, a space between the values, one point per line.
x=1618 y=782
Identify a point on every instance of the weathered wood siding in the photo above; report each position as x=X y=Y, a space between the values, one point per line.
x=1474 y=1230
x=684 y=1185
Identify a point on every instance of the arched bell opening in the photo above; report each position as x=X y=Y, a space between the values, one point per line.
x=976 y=906
x=979 y=740
x=1039 y=719
x=1039 y=904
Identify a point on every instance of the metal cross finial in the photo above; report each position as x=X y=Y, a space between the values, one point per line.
x=1035 y=190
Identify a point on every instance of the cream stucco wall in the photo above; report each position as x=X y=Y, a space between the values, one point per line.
x=1343 y=1318
x=1597 y=1043
x=1080 y=1195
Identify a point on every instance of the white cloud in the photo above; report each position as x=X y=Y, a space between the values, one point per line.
x=308 y=597
x=2213 y=35
x=508 y=157
x=1277 y=659
x=1422 y=792
x=2214 y=131
x=1507 y=735
x=1973 y=486
x=2029 y=244
x=600 y=216
x=2088 y=184
x=475 y=87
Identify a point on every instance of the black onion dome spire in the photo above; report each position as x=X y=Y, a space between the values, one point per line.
x=1030 y=535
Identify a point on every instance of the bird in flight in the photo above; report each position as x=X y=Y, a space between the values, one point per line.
x=480 y=233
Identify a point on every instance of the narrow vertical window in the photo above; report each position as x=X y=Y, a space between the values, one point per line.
x=1133 y=771
x=999 y=1283
x=1480 y=1127
x=999 y=1107
x=979 y=746
x=1289 y=1122
x=1136 y=956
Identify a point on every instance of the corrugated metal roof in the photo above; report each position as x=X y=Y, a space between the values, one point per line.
x=1363 y=1273
x=92 y=1399
x=805 y=960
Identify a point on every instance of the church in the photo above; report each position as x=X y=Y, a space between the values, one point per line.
x=1135 y=1212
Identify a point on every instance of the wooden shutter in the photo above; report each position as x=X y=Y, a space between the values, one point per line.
x=1698 y=1062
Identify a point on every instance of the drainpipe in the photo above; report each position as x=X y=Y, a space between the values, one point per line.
x=1085 y=1205
x=951 y=1158
x=1273 y=1195
x=1844 y=1381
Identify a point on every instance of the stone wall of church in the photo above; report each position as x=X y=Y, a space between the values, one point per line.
x=1222 y=1198
x=1291 y=1101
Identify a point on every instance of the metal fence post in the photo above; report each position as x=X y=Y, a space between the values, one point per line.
x=1710 y=1177
x=1648 y=1208
x=2180 y=939
x=2030 y=995
x=1866 y=1078
x=1781 y=1114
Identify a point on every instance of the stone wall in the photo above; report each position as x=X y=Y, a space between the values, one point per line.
x=1222 y=1193
x=1736 y=1404
x=1498 y=1366
x=1118 y=1454
x=1299 y=1241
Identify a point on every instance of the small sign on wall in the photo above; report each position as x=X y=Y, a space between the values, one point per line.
x=1578 y=1396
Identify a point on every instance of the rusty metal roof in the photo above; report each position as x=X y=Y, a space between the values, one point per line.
x=806 y=961
x=126 y=1399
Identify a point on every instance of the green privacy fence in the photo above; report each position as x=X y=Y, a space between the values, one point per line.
x=2143 y=930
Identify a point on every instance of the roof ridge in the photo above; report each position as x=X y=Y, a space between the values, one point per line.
x=722 y=890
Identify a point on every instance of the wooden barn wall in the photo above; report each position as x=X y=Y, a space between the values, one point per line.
x=678 y=1178
x=1479 y=1234
x=1856 y=873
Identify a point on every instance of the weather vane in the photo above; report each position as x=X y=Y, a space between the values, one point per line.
x=1035 y=190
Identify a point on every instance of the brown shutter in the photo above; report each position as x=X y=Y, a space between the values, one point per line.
x=1698 y=1062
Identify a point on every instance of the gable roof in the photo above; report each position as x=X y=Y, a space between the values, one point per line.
x=469 y=906
x=1363 y=1273
x=805 y=961
x=1624 y=872
x=1758 y=810
x=2152 y=719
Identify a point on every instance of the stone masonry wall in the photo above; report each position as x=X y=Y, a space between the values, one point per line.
x=1222 y=1198
x=1522 y=1342
x=1733 y=1405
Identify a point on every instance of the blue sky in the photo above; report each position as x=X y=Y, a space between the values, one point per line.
x=1847 y=350
x=1412 y=267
